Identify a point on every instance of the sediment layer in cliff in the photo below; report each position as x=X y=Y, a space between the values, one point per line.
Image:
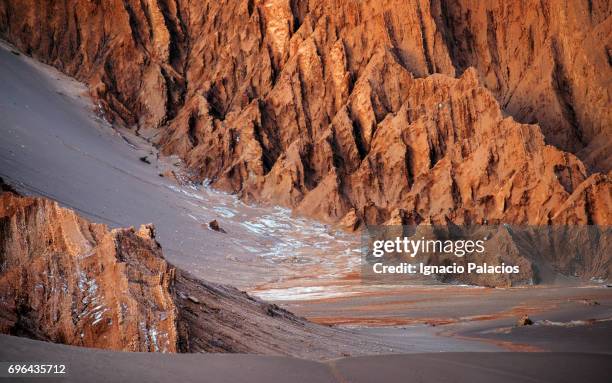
x=66 y=280
x=357 y=111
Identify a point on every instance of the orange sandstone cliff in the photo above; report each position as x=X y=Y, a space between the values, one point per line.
x=66 y=280
x=357 y=111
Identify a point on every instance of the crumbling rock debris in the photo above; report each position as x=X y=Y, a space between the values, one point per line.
x=214 y=225
x=357 y=111
x=171 y=175
x=524 y=321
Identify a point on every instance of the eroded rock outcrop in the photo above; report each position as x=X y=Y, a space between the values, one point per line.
x=361 y=111
x=546 y=62
x=547 y=254
x=66 y=280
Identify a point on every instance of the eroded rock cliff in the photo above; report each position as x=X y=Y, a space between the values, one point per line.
x=357 y=111
x=66 y=280
x=547 y=254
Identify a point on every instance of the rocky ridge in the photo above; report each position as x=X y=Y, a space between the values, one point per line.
x=66 y=280
x=352 y=112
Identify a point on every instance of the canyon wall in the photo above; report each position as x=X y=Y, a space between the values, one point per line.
x=356 y=111
x=66 y=280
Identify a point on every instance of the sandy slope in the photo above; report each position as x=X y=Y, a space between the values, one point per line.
x=102 y=366
x=53 y=144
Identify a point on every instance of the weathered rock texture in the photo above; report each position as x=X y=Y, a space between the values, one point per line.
x=357 y=111
x=65 y=280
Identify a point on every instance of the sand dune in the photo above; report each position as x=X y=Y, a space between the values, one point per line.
x=102 y=366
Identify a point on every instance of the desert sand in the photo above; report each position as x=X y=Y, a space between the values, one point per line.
x=101 y=366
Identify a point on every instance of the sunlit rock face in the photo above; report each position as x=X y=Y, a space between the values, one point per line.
x=66 y=280
x=357 y=111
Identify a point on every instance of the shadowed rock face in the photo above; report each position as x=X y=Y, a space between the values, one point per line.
x=356 y=111
x=547 y=254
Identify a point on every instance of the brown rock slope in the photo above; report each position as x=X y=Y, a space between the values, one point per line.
x=352 y=109
x=66 y=280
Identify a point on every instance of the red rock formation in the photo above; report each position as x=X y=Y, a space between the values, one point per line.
x=66 y=280
x=353 y=109
x=546 y=62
